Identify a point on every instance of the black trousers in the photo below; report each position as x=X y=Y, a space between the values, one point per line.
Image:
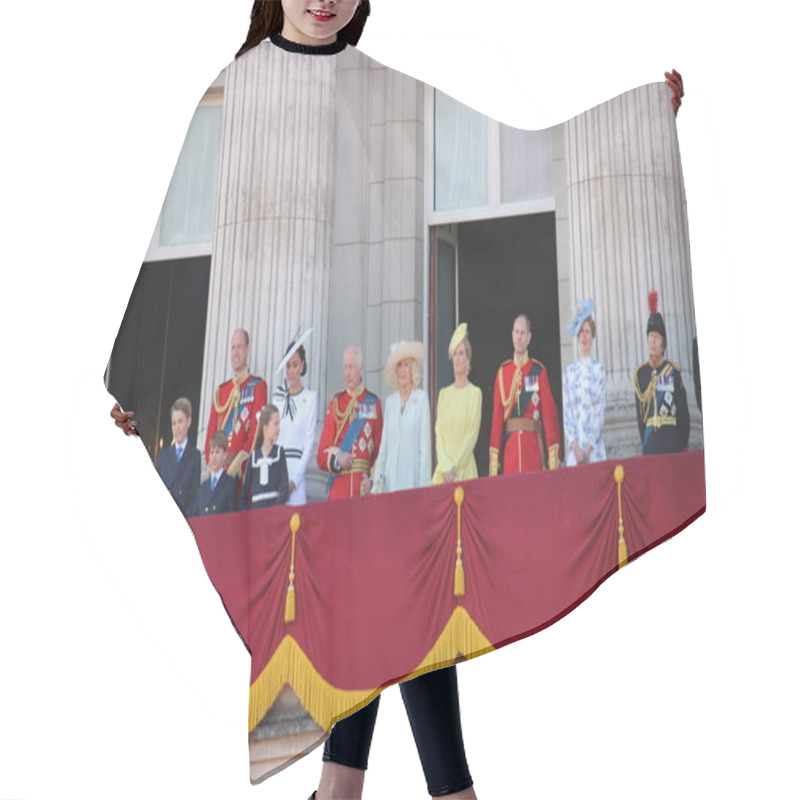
x=431 y=702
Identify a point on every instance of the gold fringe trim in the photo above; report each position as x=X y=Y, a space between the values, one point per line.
x=459 y=588
x=327 y=704
x=290 y=665
x=461 y=637
x=494 y=461
x=291 y=609
x=622 y=547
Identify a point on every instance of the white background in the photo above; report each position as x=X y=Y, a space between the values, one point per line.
x=120 y=675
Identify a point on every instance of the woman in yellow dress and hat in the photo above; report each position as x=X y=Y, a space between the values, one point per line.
x=458 y=416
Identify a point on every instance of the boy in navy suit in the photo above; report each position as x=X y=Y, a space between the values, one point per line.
x=217 y=495
x=179 y=464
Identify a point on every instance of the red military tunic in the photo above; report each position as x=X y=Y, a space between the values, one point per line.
x=362 y=409
x=234 y=410
x=524 y=419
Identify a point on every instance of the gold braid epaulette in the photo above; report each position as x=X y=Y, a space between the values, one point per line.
x=516 y=381
x=647 y=396
x=341 y=417
x=233 y=398
x=508 y=401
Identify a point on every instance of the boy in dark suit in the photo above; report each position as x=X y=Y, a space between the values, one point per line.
x=217 y=495
x=179 y=464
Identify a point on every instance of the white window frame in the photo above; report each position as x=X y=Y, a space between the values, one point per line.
x=494 y=208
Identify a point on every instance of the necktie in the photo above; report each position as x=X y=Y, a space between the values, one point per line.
x=213 y=482
x=179 y=452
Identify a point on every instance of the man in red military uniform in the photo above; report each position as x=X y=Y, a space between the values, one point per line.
x=351 y=435
x=236 y=406
x=524 y=416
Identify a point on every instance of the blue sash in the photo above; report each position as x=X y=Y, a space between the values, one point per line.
x=246 y=397
x=354 y=431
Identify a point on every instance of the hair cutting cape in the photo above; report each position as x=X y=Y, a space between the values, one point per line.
x=321 y=189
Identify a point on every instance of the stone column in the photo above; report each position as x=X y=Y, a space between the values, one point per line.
x=629 y=235
x=378 y=214
x=271 y=253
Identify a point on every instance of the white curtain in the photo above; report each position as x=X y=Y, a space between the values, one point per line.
x=188 y=213
x=461 y=156
x=526 y=164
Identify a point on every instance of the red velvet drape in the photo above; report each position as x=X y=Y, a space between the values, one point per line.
x=374 y=576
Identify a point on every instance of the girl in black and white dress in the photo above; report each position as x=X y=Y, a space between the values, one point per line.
x=266 y=479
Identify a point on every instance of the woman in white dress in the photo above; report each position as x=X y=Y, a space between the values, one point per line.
x=584 y=394
x=404 y=458
x=298 y=410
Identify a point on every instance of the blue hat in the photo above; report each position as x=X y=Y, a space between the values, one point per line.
x=583 y=310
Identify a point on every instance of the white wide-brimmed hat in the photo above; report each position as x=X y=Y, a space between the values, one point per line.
x=401 y=351
x=293 y=347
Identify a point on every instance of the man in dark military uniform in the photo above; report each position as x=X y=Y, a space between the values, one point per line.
x=524 y=414
x=661 y=408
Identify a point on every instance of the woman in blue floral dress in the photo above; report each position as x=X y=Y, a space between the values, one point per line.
x=584 y=394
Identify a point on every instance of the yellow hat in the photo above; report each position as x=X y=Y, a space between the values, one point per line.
x=455 y=340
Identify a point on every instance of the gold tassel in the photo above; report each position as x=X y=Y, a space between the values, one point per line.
x=459 y=583
x=622 y=551
x=291 y=608
x=622 y=547
x=459 y=589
